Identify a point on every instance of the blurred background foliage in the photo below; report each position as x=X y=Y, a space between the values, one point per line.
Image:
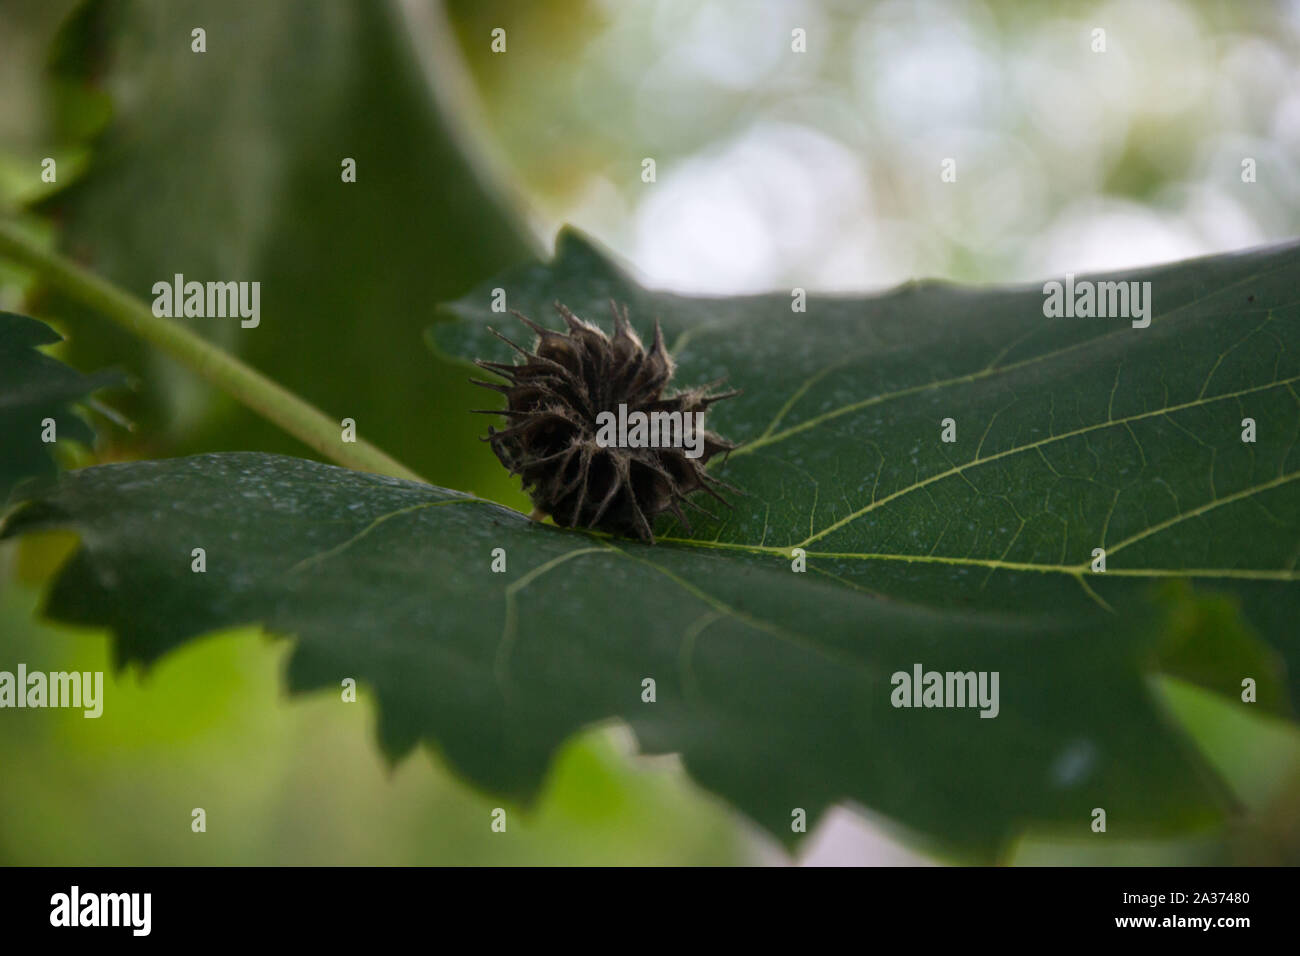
x=774 y=169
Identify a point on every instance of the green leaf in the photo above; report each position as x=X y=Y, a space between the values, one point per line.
x=226 y=166
x=773 y=686
x=1072 y=434
x=35 y=387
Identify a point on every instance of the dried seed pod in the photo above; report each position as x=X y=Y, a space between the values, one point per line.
x=553 y=400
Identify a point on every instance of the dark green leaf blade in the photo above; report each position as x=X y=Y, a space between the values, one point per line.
x=775 y=687
x=1072 y=433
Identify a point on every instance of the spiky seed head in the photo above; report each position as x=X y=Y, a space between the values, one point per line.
x=553 y=397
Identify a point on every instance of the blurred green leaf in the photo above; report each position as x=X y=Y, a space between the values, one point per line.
x=34 y=387
x=226 y=165
x=774 y=687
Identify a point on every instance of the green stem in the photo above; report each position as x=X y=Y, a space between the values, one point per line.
x=242 y=382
